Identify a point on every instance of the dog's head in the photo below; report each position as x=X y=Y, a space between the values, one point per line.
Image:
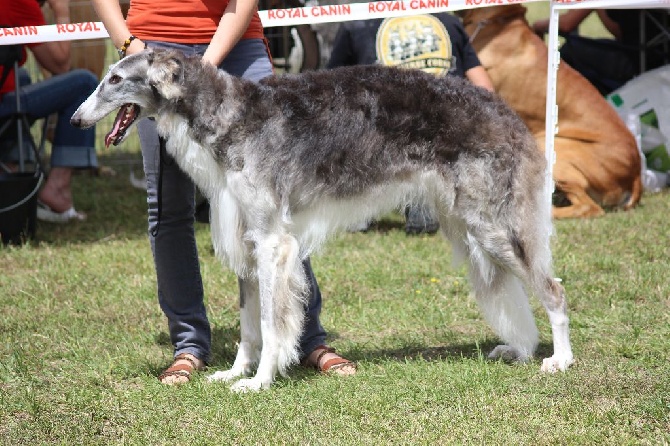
x=138 y=86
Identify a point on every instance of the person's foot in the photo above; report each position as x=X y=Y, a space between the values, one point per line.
x=183 y=366
x=54 y=202
x=45 y=213
x=56 y=193
x=325 y=360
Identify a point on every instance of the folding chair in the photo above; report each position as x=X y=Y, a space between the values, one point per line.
x=18 y=200
x=15 y=127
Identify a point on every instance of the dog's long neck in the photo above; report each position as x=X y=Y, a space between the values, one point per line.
x=201 y=124
x=209 y=100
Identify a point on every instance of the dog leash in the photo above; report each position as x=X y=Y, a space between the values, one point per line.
x=480 y=25
x=500 y=19
x=162 y=154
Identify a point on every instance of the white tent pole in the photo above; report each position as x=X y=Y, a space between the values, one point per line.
x=551 y=121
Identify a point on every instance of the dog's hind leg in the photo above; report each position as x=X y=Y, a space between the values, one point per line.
x=249 y=350
x=534 y=268
x=505 y=306
x=552 y=295
x=282 y=290
x=531 y=264
x=500 y=292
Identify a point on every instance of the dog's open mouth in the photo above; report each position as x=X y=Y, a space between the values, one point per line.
x=124 y=119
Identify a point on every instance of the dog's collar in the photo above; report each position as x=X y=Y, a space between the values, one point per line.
x=512 y=15
x=481 y=24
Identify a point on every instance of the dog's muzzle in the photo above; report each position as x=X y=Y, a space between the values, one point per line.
x=124 y=119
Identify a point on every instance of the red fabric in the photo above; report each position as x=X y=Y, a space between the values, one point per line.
x=182 y=21
x=17 y=13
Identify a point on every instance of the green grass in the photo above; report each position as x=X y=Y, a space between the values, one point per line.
x=83 y=340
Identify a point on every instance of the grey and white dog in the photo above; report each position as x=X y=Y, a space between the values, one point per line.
x=289 y=162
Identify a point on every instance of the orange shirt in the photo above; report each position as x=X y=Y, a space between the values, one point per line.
x=182 y=21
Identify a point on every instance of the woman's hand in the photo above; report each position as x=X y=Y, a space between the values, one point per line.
x=135 y=46
x=232 y=26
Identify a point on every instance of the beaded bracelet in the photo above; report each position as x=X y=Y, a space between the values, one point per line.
x=124 y=47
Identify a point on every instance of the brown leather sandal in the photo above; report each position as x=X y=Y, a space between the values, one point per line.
x=180 y=370
x=333 y=365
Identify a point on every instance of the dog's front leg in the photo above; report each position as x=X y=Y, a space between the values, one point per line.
x=267 y=367
x=248 y=352
x=282 y=287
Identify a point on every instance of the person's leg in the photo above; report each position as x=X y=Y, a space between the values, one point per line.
x=72 y=148
x=170 y=200
x=171 y=204
x=9 y=146
x=316 y=353
x=24 y=77
x=56 y=192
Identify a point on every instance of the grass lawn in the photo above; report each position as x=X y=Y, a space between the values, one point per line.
x=83 y=340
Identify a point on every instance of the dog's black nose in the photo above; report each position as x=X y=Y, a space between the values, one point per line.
x=75 y=121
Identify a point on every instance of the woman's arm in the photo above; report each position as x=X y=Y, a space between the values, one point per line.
x=479 y=77
x=232 y=26
x=55 y=56
x=109 y=12
x=611 y=26
x=567 y=22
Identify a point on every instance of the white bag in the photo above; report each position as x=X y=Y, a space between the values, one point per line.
x=646 y=99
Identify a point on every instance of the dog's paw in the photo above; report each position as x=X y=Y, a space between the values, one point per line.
x=250 y=385
x=226 y=376
x=556 y=363
x=507 y=354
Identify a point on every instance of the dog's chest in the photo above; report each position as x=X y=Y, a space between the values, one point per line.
x=194 y=159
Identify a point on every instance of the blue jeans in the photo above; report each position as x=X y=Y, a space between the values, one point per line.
x=61 y=94
x=171 y=229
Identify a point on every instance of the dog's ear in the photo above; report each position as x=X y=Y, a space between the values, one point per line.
x=166 y=74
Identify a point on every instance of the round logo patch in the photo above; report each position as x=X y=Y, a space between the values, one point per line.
x=420 y=42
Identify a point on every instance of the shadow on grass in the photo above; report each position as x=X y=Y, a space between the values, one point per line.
x=224 y=349
x=414 y=352
x=386 y=225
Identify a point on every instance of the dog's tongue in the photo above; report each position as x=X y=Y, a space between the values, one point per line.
x=116 y=129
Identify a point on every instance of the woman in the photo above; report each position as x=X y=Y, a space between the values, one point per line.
x=227 y=34
x=61 y=93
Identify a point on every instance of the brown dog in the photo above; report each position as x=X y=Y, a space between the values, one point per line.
x=597 y=160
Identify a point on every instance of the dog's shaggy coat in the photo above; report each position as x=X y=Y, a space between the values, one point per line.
x=290 y=161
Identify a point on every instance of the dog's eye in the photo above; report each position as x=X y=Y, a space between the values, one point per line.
x=115 y=79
